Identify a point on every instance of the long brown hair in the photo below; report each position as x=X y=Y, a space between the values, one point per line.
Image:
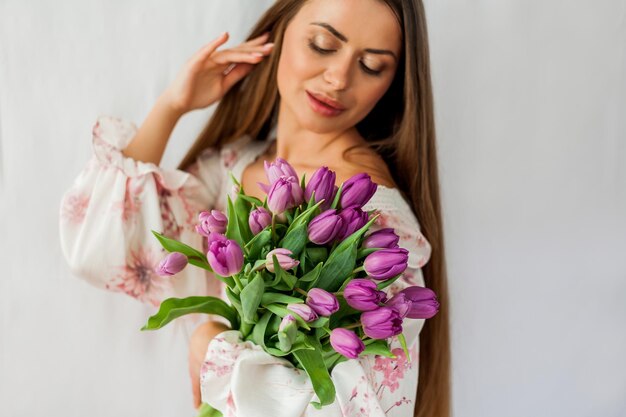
x=400 y=128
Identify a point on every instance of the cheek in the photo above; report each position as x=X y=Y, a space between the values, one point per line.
x=294 y=66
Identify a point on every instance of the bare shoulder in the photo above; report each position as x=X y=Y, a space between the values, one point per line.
x=366 y=160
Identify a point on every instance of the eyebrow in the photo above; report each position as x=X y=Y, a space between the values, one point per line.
x=343 y=38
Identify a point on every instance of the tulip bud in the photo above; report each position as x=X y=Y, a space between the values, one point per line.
x=322 y=302
x=303 y=311
x=324 y=228
x=415 y=303
x=386 y=263
x=346 y=342
x=287 y=332
x=284 y=259
x=225 y=257
x=323 y=183
x=357 y=191
x=215 y=237
x=381 y=323
x=284 y=194
x=363 y=295
x=259 y=219
x=353 y=219
x=383 y=238
x=211 y=222
x=172 y=264
x=279 y=168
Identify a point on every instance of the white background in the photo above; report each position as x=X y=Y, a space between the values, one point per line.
x=531 y=118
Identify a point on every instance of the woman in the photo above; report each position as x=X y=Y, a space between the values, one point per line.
x=344 y=84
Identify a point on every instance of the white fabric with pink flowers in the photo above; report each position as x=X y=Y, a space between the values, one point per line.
x=106 y=220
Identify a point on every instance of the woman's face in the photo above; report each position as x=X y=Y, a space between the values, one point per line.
x=345 y=51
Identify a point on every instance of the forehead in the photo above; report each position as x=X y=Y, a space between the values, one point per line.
x=366 y=23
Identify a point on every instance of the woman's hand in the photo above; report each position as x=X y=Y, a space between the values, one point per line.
x=210 y=73
x=198 y=345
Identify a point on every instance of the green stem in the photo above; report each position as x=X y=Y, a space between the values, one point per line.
x=238 y=282
x=357 y=270
x=273 y=227
x=301 y=291
x=352 y=326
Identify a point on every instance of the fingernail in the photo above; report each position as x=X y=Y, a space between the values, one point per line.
x=257 y=54
x=268 y=45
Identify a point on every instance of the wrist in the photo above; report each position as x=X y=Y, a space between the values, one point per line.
x=170 y=107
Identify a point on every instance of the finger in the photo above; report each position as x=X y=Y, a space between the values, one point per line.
x=256 y=48
x=230 y=56
x=258 y=40
x=236 y=73
x=209 y=48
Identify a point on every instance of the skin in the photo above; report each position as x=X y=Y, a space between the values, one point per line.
x=305 y=138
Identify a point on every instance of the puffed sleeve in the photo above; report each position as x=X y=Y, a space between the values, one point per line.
x=107 y=215
x=240 y=379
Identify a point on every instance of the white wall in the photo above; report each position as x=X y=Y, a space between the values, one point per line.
x=531 y=117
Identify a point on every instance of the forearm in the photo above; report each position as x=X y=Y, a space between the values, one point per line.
x=149 y=143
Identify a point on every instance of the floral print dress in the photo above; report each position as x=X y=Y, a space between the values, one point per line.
x=106 y=218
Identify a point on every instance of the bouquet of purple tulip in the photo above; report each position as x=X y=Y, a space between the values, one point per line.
x=304 y=281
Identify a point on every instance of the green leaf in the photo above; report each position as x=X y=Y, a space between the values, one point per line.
x=320 y=322
x=284 y=276
x=173 y=308
x=317 y=254
x=195 y=256
x=251 y=298
x=379 y=347
x=341 y=261
x=232 y=229
x=255 y=246
x=404 y=347
x=337 y=198
x=384 y=284
x=274 y=297
x=206 y=410
x=312 y=362
x=363 y=252
x=242 y=208
x=309 y=280
x=252 y=200
x=258 y=333
x=281 y=312
x=297 y=236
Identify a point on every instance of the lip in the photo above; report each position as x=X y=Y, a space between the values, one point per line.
x=324 y=105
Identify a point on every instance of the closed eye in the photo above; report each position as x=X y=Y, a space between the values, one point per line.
x=323 y=51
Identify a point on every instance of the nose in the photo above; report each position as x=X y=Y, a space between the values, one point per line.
x=338 y=74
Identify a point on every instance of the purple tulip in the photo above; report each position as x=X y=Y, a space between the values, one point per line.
x=303 y=311
x=215 y=237
x=353 y=219
x=284 y=259
x=415 y=303
x=211 y=222
x=172 y=264
x=225 y=257
x=284 y=194
x=386 y=263
x=324 y=228
x=346 y=342
x=383 y=238
x=322 y=302
x=381 y=323
x=363 y=295
x=357 y=191
x=323 y=183
x=278 y=168
x=259 y=219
